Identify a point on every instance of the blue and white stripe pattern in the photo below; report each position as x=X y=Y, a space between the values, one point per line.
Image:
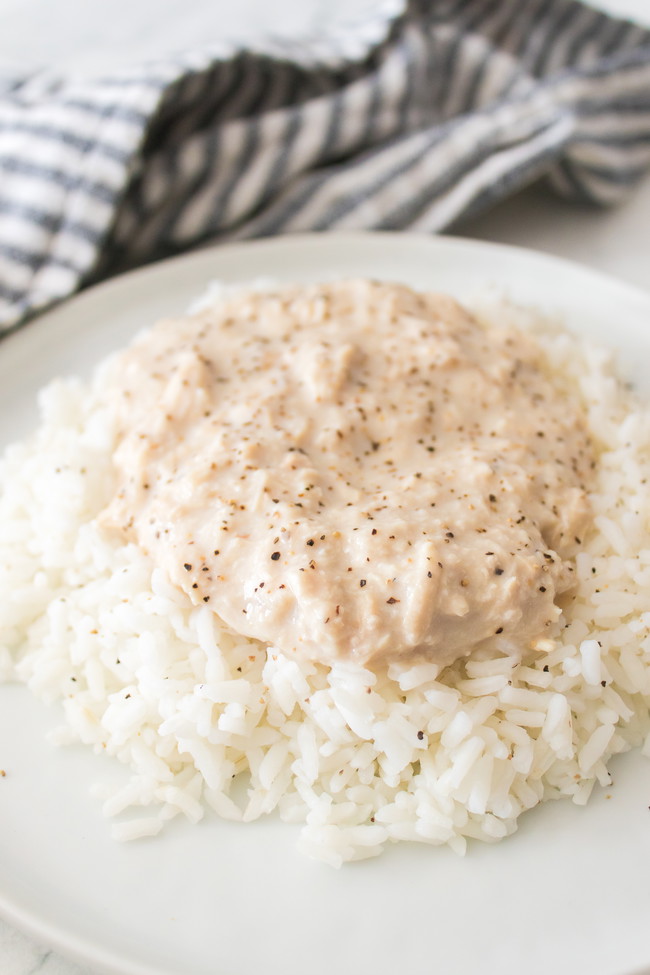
x=426 y=114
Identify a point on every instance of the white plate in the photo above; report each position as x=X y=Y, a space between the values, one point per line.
x=569 y=893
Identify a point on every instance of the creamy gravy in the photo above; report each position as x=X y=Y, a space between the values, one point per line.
x=353 y=470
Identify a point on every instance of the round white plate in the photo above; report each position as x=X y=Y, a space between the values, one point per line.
x=569 y=893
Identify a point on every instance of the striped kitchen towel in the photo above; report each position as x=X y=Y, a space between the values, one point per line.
x=411 y=120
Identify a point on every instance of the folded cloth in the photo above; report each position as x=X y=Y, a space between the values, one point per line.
x=459 y=103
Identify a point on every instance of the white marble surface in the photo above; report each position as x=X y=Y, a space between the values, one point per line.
x=93 y=36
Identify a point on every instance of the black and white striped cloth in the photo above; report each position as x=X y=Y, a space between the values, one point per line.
x=425 y=115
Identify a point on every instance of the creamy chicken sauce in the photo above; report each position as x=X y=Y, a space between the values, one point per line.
x=353 y=470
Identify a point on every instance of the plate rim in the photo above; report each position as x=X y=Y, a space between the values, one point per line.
x=140 y=274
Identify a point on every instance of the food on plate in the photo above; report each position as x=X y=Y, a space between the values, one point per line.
x=355 y=471
x=381 y=561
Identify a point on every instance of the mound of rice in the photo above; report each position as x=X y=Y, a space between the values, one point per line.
x=358 y=758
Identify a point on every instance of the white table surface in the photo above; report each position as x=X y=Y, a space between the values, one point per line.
x=97 y=34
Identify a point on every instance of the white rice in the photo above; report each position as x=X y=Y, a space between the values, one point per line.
x=211 y=722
